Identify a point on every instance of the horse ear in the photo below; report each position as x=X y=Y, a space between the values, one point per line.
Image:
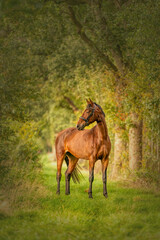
x=87 y=100
x=91 y=102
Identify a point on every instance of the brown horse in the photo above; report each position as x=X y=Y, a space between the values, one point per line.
x=90 y=144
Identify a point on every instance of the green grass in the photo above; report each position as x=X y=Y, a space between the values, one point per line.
x=127 y=213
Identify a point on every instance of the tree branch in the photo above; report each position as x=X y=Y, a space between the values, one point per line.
x=113 y=46
x=70 y=2
x=73 y=106
x=117 y=4
x=90 y=43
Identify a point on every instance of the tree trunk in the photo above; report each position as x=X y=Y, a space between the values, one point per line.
x=119 y=148
x=135 y=143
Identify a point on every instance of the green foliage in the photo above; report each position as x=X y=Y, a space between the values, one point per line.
x=43 y=60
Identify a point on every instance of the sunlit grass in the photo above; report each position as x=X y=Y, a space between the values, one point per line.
x=127 y=213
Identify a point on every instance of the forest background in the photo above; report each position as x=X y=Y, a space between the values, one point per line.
x=54 y=55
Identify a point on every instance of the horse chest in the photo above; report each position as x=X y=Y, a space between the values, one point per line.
x=102 y=151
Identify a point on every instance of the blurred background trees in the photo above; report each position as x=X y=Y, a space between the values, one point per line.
x=54 y=55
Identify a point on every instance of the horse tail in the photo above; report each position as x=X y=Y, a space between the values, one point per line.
x=76 y=172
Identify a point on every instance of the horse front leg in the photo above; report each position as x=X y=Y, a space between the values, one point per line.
x=104 y=176
x=91 y=177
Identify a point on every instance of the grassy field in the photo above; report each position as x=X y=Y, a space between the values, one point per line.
x=127 y=214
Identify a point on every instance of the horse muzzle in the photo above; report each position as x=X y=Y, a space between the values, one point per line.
x=80 y=127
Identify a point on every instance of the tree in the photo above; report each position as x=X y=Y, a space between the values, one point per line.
x=97 y=21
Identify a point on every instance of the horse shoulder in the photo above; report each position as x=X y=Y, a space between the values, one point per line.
x=63 y=134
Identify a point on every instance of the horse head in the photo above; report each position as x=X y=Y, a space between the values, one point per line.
x=92 y=113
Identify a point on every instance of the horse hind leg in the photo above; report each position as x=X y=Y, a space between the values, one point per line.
x=60 y=159
x=71 y=166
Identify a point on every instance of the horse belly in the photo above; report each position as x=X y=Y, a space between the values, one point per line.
x=79 y=147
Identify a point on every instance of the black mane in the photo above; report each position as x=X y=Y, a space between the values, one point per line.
x=100 y=108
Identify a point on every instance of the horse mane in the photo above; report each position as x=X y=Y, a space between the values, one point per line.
x=100 y=108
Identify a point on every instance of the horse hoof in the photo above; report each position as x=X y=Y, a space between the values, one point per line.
x=58 y=193
x=105 y=195
x=67 y=193
x=90 y=196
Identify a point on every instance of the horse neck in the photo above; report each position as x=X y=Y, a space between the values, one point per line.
x=102 y=128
